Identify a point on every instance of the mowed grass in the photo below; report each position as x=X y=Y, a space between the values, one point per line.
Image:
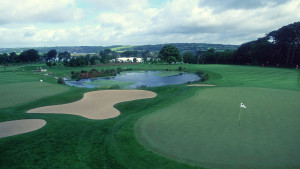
x=11 y=77
x=110 y=83
x=266 y=77
x=16 y=94
x=69 y=141
x=204 y=129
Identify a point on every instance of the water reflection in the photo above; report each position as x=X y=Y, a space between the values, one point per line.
x=137 y=79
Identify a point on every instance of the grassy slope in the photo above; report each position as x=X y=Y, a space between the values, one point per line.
x=74 y=142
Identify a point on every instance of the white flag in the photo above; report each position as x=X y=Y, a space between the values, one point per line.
x=242 y=105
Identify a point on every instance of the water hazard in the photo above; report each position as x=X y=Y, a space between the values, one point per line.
x=131 y=80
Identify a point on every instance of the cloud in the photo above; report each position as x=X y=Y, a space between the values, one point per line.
x=29 y=11
x=238 y=4
x=120 y=5
x=135 y=22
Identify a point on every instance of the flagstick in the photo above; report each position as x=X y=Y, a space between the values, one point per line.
x=240 y=116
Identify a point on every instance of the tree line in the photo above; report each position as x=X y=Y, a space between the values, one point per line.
x=277 y=48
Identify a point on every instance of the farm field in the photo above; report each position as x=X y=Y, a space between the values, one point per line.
x=167 y=131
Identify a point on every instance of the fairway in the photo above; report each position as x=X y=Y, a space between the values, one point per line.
x=16 y=94
x=203 y=130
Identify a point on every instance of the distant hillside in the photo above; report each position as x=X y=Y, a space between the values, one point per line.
x=183 y=47
x=71 y=49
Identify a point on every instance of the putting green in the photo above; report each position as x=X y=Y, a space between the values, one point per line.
x=204 y=129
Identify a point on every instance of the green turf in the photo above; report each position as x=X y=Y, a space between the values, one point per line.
x=168 y=73
x=110 y=83
x=204 y=129
x=11 y=77
x=20 y=93
x=69 y=141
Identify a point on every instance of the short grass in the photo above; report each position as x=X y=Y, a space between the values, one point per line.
x=168 y=73
x=204 y=129
x=110 y=83
x=69 y=141
x=20 y=93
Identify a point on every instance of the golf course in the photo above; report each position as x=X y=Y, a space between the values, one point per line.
x=194 y=125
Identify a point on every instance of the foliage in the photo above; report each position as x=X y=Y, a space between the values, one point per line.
x=78 y=62
x=95 y=73
x=64 y=56
x=60 y=80
x=170 y=54
x=280 y=47
x=204 y=75
x=189 y=57
x=107 y=55
x=30 y=55
x=128 y=53
x=51 y=55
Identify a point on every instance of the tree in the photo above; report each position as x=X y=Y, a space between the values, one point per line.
x=51 y=55
x=14 y=58
x=189 y=57
x=287 y=42
x=146 y=55
x=30 y=55
x=128 y=53
x=64 y=56
x=94 y=59
x=170 y=54
x=201 y=57
x=107 y=55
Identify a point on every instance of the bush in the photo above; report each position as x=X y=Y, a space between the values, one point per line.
x=60 y=80
x=181 y=69
x=49 y=64
x=204 y=76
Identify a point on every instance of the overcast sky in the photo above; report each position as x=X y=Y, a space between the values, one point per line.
x=35 y=23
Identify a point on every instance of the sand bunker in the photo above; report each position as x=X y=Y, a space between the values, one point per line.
x=10 y=128
x=97 y=104
x=201 y=85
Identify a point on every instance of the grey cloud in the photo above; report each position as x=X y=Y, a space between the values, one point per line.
x=238 y=4
x=29 y=34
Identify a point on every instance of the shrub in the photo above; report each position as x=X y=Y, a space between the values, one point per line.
x=60 y=80
x=204 y=76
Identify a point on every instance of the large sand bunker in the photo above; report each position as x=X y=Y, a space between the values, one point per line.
x=97 y=104
x=10 y=128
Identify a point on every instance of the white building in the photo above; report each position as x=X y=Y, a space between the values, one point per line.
x=129 y=59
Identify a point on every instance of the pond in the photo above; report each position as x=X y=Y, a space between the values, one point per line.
x=132 y=80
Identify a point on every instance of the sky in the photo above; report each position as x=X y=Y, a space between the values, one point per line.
x=38 y=23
